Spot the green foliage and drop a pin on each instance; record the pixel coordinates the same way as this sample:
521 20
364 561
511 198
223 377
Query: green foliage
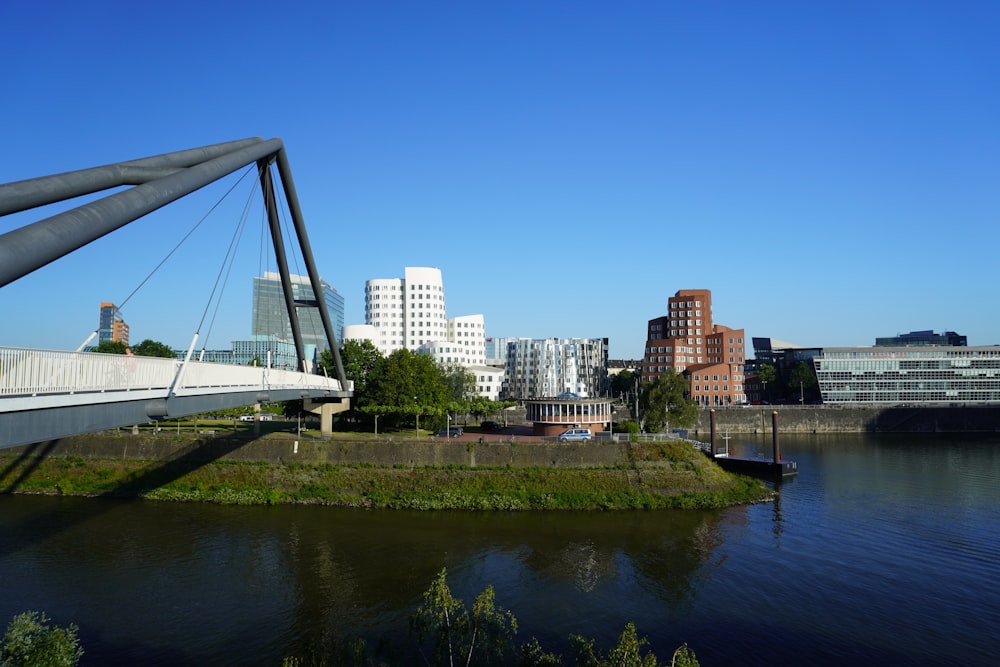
486 636
626 653
30 641
684 657
291 408
111 347
664 403
802 381
361 361
623 383
629 426
152 348
455 635
413 384
533 655
767 374
461 384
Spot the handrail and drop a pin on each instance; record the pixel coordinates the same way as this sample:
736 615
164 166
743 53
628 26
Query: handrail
31 372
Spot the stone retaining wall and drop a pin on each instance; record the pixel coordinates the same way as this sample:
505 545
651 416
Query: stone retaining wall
338 452
829 419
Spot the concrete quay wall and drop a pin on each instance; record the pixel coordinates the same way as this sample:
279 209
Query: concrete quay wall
829 419
389 453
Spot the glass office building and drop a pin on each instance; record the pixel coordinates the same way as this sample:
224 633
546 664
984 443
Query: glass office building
258 350
924 374
270 317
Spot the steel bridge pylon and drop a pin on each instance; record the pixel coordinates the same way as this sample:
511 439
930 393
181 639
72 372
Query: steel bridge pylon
158 181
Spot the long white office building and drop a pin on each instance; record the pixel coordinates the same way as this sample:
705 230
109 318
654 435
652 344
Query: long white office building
410 313
921 374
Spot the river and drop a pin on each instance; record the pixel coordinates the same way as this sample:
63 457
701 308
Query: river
884 550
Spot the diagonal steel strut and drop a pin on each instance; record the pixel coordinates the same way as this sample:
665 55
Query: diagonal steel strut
158 181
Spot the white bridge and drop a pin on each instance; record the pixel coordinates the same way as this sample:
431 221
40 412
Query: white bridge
47 394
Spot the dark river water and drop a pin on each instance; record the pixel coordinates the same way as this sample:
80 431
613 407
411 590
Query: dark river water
884 550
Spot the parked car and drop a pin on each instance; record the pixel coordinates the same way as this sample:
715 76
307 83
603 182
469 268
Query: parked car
575 435
489 426
453 432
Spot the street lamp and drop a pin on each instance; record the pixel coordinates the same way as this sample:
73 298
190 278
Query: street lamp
417 430
448 431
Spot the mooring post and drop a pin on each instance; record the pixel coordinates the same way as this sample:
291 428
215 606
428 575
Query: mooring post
711 421
774 436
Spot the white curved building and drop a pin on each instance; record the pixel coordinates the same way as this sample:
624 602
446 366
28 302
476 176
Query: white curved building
410 313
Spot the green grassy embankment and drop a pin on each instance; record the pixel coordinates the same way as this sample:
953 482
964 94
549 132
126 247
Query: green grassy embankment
661 475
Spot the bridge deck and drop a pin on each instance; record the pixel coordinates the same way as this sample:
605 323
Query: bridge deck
47 394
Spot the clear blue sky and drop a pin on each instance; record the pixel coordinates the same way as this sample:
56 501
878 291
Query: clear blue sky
830 170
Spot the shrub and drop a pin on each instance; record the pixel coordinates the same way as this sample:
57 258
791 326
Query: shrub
31 642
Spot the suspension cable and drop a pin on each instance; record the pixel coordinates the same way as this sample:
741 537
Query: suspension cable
228 262
182 241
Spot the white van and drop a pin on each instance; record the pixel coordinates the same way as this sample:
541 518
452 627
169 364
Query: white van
575 435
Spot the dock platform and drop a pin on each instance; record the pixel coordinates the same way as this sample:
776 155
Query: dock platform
757 467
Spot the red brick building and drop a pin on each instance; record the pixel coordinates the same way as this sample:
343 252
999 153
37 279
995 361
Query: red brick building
710 356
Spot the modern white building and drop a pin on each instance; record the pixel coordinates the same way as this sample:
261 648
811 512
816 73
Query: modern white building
549 367
914 375
410 313
489 381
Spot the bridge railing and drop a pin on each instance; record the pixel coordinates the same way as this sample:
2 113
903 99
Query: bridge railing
202 375
30 372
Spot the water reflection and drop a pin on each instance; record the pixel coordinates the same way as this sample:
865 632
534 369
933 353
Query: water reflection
284 578
858 543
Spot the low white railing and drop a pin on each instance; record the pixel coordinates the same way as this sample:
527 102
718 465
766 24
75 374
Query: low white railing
29 372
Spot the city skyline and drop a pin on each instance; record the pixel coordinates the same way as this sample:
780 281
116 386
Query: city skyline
827 171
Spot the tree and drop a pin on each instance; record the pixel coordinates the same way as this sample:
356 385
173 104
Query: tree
460 381
411 383
30 641
663 403
622 384
152 348
361 361
803 378
458 636
627 652
766 373
111 347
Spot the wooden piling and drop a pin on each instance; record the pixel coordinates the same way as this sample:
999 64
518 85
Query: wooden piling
774 437
711 421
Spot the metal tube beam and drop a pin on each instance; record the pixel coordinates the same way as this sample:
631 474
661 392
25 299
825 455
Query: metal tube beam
267 187
29 248
23 195
292 198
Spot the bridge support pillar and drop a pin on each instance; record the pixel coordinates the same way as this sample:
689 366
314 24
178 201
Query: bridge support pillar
326 411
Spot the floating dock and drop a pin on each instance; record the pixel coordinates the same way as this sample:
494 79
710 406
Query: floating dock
757 467
775 469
